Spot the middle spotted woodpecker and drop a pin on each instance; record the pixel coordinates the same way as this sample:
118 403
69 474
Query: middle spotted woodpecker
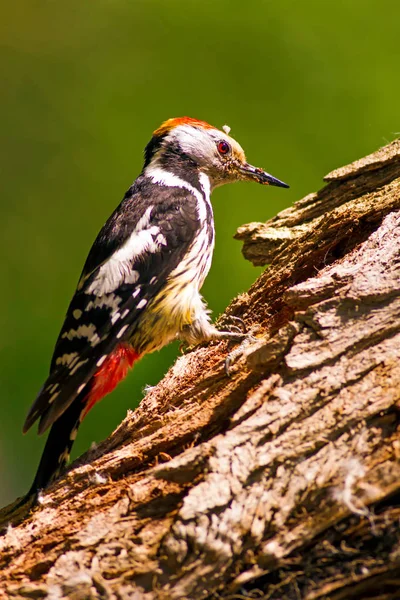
140 286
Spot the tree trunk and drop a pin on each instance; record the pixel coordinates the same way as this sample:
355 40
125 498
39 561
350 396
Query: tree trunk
281 481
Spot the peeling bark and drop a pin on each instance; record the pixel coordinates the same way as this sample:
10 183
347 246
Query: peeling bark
281 481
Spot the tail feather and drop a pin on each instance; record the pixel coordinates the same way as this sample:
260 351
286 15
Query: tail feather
58 446
54 458
63 431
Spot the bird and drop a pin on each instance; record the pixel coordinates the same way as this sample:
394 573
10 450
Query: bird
140 284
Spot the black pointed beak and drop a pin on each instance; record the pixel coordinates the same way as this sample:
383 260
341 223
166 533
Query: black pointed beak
256 174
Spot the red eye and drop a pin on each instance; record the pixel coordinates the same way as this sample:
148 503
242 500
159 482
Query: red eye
223 147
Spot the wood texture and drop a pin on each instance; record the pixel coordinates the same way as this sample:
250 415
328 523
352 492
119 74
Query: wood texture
281 481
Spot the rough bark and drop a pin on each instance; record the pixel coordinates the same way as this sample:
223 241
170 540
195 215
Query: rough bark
281 481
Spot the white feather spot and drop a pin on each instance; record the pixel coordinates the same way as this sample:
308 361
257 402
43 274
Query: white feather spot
81 388
53 397
136 292
78 366
95 340
77 314
115 317
142 303
110 300
122 331
125 313
101 360
65 359
87 331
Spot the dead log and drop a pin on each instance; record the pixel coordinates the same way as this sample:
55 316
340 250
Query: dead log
281 481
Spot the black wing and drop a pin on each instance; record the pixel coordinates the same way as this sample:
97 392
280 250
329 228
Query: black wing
121 272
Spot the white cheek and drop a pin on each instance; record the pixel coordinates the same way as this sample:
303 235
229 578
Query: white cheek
197 143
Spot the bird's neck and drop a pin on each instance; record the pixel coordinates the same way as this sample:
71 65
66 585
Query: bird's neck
178 173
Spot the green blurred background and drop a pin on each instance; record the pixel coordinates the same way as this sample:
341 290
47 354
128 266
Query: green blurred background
306 87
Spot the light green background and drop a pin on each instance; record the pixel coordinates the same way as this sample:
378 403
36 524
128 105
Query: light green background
306 87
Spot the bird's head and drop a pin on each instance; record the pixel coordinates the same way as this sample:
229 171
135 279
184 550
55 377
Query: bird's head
183 144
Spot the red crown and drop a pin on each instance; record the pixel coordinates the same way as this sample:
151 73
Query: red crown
172 123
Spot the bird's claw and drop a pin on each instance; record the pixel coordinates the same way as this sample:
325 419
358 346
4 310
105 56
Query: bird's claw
237 324
246 341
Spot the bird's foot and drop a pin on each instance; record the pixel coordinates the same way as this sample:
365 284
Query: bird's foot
236 332
247 340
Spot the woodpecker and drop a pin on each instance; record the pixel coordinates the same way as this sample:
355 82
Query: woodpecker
140 285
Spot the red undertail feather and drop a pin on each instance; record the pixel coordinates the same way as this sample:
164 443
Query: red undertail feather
111 372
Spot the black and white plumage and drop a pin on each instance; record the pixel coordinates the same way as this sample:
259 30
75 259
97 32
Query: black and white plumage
140 286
